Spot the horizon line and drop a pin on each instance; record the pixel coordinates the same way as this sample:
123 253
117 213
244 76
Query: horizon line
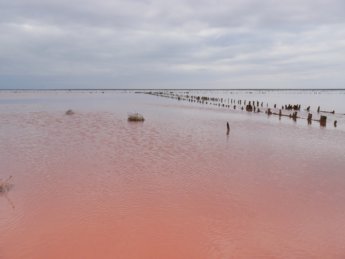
172 89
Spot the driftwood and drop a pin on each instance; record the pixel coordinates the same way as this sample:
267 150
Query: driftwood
5 185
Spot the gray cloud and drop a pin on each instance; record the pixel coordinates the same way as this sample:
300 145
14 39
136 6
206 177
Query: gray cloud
173 44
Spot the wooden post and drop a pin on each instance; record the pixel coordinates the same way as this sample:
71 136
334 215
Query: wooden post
323 120
269 111
249 107
310 116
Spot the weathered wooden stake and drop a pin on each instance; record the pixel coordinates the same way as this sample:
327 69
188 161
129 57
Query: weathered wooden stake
269 111
310 116
323 120
249 107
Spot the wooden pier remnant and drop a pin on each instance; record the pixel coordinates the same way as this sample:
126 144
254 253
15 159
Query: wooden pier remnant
331 112
323 120
335 123
269 111
249 107
227 128
310 117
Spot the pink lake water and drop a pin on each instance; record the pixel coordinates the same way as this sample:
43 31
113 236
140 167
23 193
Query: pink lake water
93 185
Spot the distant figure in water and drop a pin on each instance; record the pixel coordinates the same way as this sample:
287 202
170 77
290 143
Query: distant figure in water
228 128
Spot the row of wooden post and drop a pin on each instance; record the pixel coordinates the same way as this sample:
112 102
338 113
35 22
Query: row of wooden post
250 106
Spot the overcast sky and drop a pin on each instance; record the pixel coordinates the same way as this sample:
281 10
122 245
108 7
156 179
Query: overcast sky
172 44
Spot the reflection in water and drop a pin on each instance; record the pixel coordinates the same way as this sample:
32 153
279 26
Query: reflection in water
93 185
10 202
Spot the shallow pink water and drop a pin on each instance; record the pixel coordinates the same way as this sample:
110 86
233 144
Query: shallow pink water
93 185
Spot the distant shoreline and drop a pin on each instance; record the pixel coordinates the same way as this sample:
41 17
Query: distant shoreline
179 89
